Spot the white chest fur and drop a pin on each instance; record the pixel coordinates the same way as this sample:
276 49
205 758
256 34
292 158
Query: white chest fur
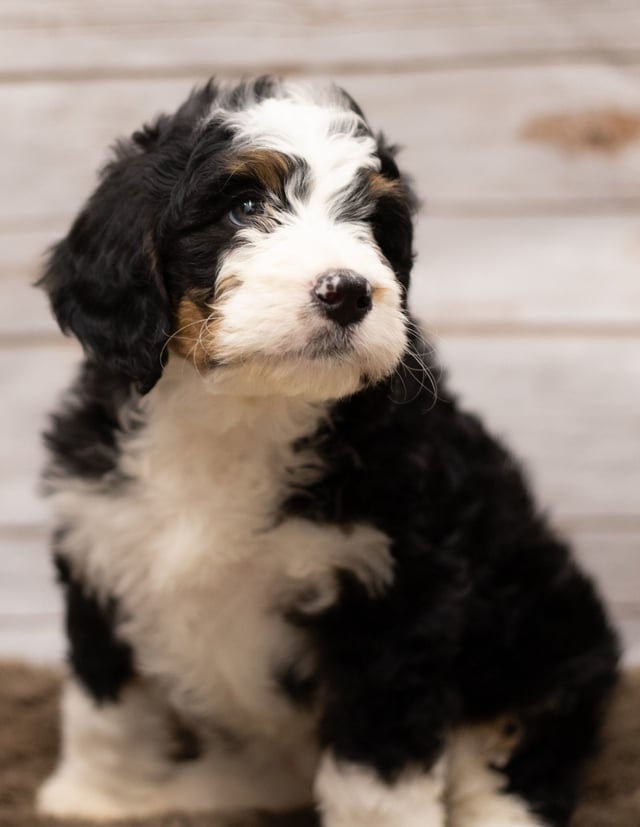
201 570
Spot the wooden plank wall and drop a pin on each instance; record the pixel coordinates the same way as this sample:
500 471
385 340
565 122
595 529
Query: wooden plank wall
521 122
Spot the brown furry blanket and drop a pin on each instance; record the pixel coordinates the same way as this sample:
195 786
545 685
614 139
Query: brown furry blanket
29 738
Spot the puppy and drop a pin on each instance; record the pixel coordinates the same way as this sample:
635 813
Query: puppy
294 571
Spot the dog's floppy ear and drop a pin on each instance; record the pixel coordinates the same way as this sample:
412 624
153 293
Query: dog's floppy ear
103 280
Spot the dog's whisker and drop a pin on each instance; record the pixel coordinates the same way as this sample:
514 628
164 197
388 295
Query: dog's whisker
177 333
398 375
426 372
421 374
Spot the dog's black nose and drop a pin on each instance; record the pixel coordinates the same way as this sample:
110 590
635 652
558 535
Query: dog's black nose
344 297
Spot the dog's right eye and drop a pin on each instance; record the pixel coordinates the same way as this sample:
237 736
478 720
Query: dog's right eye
243 213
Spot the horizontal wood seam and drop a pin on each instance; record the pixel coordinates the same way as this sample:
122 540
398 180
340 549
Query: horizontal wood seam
521 59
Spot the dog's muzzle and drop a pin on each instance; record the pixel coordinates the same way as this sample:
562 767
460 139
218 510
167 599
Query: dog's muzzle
343 296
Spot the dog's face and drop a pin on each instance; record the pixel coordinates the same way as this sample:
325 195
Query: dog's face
262 233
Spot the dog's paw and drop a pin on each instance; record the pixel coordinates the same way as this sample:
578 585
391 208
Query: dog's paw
67 796
349 795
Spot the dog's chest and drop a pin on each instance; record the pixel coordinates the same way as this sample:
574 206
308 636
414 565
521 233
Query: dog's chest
206 596
202 570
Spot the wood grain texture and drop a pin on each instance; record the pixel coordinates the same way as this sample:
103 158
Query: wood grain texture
37 638
27 584
80 37
629 627
463 132
551 273
33 378
570 407
24 310
613 558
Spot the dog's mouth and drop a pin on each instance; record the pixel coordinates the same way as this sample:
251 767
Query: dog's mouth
316 348
329 362
330 343
330 347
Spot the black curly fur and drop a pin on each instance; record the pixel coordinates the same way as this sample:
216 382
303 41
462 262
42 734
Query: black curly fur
487 613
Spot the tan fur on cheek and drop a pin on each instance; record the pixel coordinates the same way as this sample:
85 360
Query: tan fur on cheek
197 324
193 329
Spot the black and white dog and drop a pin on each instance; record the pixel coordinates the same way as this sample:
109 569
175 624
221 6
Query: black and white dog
294 573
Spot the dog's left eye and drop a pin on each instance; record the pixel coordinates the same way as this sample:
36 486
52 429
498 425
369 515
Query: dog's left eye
242 213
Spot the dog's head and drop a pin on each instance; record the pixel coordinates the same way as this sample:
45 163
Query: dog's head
262 232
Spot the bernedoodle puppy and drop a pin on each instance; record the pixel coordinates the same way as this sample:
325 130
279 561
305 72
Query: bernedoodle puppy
295 571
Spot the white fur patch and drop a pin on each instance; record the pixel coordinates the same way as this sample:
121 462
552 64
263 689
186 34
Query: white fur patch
354 796
309 122
475 795
201 572
115 765
271 320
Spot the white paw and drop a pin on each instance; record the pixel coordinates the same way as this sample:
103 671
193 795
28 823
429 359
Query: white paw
71 797
349 795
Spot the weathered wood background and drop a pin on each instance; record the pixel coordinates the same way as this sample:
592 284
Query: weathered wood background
521 122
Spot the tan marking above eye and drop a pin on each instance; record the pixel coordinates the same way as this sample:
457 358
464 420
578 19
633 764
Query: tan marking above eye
267 166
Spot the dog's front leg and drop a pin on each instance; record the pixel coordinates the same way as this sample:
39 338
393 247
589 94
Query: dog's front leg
389 705
116 760
352 794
